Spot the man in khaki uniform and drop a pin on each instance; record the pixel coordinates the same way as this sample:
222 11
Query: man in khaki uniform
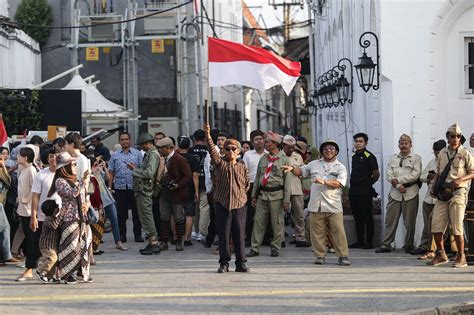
143 185
403 172
297 198
270 196
454 191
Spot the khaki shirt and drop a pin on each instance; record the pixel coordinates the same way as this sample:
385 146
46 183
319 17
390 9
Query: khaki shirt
324 198
295 181
144 177
277 178
424 179
462 165
408 172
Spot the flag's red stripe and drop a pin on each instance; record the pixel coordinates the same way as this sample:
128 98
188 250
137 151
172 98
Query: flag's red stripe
226 51
3 132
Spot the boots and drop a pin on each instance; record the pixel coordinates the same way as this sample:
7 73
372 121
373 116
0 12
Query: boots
152 248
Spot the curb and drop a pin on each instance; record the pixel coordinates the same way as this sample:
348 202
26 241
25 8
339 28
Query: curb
447 309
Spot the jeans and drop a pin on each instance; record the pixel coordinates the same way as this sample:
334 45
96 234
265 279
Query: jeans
111 213
5 253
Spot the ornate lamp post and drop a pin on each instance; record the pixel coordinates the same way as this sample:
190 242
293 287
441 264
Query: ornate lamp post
366 67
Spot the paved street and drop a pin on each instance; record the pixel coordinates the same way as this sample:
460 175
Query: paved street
178 282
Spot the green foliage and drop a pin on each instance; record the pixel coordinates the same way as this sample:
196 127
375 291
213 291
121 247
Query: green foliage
35 12
20 110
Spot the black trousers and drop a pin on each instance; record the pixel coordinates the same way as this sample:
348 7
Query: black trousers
126 200
31 243
361 206
231 225
211 231
250 215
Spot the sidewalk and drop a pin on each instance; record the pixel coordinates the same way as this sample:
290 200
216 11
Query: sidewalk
178 282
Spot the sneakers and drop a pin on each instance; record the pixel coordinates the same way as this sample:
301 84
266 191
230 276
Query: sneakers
460 261
164 246
252 253
439 259
69 280
331 250
274 253
382 249
41 277
151 249
320 261
223 268
343 261
409 249
179 246
302 244
188 243
419 251
242 267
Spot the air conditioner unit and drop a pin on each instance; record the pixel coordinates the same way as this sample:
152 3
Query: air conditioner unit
163 23
105 32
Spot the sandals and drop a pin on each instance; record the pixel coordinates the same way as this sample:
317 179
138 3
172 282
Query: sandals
23 279
429 255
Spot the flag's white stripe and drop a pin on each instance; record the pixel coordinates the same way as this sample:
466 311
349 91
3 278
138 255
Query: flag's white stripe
251 74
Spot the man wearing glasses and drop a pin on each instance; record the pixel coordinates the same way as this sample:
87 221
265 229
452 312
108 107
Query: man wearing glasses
452 194
403 173
328 177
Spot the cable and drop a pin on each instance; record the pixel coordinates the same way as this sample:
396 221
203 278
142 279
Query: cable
18 25
207 17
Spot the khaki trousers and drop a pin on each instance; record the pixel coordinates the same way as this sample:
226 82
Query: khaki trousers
409 210
426 237
48 259
297 215
204 213
452 212
324 223
145 213
273 211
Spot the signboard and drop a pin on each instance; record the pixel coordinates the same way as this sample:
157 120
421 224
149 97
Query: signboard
56 132
106 50
157 46
92 54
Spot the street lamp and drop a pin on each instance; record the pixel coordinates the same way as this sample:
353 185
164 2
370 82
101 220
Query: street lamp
366 67
345 89
304 115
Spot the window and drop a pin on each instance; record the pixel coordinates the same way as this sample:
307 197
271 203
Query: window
469 65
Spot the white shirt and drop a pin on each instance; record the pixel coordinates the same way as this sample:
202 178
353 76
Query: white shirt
207 173
83 164
41 185
251 159
324 198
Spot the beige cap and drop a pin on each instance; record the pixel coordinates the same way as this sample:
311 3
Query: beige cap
454 129
270 135
301 147
405 137
165 142
63 159
289 140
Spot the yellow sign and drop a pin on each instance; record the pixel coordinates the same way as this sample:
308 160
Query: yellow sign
157 46
169 42
92 53
106 50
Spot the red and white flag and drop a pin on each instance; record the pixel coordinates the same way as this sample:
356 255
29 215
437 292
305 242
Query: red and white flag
232 63
3 132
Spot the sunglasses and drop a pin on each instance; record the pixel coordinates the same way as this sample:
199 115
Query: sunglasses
228 149
454 136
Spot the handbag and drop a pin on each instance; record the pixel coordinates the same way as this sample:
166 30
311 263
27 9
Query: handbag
93 216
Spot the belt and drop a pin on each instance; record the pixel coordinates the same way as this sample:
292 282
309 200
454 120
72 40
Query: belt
272 189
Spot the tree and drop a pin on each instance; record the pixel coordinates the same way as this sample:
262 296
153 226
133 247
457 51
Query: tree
20 110
35 12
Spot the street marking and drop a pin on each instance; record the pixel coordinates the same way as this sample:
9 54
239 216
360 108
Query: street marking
88 297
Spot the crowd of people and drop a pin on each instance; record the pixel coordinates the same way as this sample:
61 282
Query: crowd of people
57 200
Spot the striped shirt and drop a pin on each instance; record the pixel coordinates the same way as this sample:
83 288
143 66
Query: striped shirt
50 232
232 180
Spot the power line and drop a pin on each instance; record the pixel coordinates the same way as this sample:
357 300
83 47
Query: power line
19 25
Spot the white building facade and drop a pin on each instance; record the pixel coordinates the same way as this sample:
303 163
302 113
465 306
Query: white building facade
20 58
425 86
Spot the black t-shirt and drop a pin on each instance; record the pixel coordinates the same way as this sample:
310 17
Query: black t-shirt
194 165
363 164
200 152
